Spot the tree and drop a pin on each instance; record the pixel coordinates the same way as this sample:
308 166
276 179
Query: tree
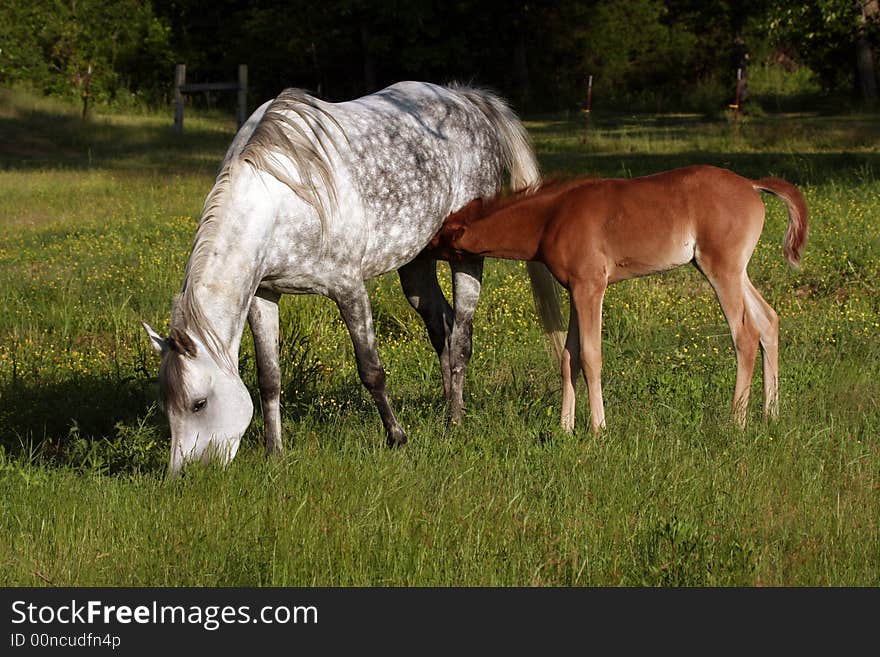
867 19
835 38
51 44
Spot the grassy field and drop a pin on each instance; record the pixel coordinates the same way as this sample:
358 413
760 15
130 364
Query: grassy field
96 220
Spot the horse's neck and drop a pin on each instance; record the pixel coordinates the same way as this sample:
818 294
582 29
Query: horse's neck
224 270
221 300
513 232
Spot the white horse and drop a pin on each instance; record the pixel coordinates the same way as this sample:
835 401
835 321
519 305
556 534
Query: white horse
315 197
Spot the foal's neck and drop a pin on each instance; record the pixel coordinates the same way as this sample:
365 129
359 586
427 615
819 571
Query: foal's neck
513 232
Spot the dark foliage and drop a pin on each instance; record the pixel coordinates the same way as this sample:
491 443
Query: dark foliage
644 54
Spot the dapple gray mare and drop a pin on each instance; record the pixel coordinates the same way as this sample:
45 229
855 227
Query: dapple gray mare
316 197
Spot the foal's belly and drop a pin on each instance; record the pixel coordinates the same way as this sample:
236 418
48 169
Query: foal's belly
642 261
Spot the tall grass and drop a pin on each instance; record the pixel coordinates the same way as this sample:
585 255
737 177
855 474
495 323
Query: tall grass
97 220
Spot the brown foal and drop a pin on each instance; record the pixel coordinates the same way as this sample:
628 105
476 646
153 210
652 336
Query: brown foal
592 232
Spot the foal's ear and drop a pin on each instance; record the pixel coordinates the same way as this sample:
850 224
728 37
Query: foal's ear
160 344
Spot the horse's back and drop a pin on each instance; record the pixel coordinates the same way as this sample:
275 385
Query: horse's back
431 139
394 163
414 153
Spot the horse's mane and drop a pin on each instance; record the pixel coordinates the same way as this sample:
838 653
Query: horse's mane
187 314
188 319
293 142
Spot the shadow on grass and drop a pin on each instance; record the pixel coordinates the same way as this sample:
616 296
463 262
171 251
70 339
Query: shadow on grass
797 168
39 139
803 149
86 422
110 426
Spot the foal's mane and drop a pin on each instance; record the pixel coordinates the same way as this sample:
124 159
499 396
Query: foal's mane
552 186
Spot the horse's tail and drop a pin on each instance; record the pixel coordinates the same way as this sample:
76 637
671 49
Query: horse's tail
545 291
520 161
516 146
796 235
525 174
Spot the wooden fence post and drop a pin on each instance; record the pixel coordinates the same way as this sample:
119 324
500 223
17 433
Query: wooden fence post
179 81
242 94
181 88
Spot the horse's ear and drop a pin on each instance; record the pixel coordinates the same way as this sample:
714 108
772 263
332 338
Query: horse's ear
160 344
182 343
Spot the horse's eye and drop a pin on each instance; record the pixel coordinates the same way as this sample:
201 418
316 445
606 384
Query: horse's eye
199 405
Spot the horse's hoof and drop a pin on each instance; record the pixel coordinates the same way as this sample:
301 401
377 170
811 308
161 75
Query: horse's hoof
396 439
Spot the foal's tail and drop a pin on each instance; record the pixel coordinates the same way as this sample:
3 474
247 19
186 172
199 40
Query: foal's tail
796 235
520 161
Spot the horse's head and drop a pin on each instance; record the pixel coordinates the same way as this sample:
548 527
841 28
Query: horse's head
207 405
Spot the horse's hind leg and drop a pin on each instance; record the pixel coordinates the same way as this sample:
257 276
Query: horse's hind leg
263 318
767 323
571 367
354 305
467 278
419 282
730 288
586 300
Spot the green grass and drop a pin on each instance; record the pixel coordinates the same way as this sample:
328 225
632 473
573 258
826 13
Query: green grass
97 220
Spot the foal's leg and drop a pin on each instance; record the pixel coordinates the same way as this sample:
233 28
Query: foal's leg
419 282
586 298
263 318
354 305
767 323
730 288
571 367
467 276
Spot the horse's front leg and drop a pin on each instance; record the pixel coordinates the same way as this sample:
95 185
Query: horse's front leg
263 319
354 305
419 282
467 276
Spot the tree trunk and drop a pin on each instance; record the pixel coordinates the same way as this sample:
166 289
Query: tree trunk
316 70
369 68
521 70
865 55
520 57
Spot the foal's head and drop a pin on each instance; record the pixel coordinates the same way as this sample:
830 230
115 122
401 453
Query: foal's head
446 244
454 240
208 407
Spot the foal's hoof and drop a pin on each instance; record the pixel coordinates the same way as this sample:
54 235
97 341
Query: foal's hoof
396 438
